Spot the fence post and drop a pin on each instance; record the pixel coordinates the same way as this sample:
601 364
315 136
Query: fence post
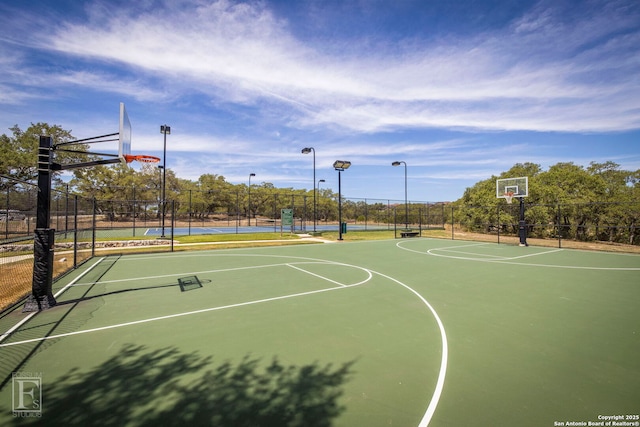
75 231
66 212
173 220
366 214
428 219
134 211
6 223
499 226
275 213
303 222
452 222
93 228
237 210
395 233
558 227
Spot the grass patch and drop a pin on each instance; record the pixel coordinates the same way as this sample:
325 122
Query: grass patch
240 237
380 234
359 235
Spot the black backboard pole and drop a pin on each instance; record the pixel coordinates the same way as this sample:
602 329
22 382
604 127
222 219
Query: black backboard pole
41 289
522 225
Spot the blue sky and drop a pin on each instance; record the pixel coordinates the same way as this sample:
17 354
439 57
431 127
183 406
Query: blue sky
459 90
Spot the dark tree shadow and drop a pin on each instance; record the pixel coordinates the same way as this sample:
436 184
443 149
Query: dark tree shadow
152 388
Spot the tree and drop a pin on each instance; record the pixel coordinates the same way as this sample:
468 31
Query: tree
593 203
19 151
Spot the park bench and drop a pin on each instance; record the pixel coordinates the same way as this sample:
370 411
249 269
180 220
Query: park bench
408 233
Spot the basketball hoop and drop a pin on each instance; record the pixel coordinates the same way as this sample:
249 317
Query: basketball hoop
509 196
141 158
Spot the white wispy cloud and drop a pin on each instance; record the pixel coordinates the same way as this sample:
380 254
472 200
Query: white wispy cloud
99 81
540 73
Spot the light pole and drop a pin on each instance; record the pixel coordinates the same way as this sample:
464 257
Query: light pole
318 186
308 150
164 129
340 165
160 168
406 203
250 175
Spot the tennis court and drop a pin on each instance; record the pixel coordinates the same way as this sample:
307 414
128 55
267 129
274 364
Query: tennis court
232 229
409 332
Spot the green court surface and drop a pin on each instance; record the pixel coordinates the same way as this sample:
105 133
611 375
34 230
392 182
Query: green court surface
409 332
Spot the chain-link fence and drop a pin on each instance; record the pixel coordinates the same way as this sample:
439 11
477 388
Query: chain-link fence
84 227
71 217
613 223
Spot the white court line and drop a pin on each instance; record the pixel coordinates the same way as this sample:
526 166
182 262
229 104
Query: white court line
497 257
61 291
333 281
341 286
536 254
467 253
316 275
506 261
435 398
30 315
171 316
217 230
191 273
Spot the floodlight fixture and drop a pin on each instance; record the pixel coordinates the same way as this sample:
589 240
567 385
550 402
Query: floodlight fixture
341 165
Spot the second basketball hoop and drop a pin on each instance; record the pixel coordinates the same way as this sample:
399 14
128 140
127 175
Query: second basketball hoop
510 188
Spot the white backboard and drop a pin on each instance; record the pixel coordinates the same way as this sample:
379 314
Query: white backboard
516 187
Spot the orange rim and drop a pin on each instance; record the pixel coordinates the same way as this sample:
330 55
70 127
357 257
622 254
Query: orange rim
141 158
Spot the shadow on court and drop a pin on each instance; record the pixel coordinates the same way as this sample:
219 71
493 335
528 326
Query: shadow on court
14 358
182 287
165 387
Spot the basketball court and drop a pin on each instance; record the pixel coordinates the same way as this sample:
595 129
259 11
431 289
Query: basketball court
409 332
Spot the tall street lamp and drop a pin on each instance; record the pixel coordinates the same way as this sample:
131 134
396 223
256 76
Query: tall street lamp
159 187
340 165
318 186
164 129
406 203
308 150
250 175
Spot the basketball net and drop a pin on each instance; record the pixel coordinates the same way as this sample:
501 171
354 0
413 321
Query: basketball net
509 196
